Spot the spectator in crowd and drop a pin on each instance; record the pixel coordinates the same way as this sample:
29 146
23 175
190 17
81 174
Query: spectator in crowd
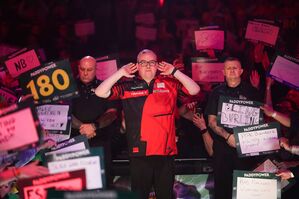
93 116
149 104
224 147
291 122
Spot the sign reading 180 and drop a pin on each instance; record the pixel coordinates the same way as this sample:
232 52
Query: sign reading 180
50 83
47 85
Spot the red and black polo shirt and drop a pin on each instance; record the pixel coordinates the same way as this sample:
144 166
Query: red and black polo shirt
150 114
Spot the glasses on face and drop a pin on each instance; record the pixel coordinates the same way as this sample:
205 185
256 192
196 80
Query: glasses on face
151 63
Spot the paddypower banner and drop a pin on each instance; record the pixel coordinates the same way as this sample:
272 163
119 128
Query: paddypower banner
50 83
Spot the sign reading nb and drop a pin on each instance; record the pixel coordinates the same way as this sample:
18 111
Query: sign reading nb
21 63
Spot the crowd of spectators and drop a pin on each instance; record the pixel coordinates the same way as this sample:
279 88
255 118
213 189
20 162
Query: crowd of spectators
50 26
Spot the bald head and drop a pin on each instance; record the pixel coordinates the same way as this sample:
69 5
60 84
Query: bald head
87 69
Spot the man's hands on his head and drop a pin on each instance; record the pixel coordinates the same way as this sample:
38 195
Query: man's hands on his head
129 69
165 68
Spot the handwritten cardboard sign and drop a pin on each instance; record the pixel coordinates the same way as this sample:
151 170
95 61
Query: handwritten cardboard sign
285 69
77 143
32 188
92 160
257 140
103 194
50 83
8 95
84 28
235 112
146 33
207 72
145 18
255 185
105 68
55 117
14 121
22 62
209 39
57 137
263 32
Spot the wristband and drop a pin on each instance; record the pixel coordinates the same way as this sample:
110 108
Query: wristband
274 114
174 70
203 131
228 137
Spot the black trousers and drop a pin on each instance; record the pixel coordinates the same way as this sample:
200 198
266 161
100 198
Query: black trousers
156 171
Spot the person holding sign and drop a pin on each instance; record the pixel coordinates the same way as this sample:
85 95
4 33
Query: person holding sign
288 121
224 146
92 116
149 104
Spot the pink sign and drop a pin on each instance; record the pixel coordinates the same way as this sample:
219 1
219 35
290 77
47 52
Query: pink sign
263 32
145 18
22 63
8 96
286 69
145 33
207 72
37 187
84 28
17 129
105 69
209 39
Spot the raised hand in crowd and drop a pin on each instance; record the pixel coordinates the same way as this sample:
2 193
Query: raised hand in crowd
280 117
255 79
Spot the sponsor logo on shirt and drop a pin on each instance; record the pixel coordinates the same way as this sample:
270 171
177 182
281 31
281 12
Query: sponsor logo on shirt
160 91
161 85
138 93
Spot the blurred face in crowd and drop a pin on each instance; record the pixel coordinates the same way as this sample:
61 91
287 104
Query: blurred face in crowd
87 69
232 70
147 65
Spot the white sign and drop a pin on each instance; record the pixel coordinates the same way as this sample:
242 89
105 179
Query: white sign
262 32
255 188
257 141
145 18
53 117
209 39
84 28
207 72
105 69
145 33
239 115
285 70
90 164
